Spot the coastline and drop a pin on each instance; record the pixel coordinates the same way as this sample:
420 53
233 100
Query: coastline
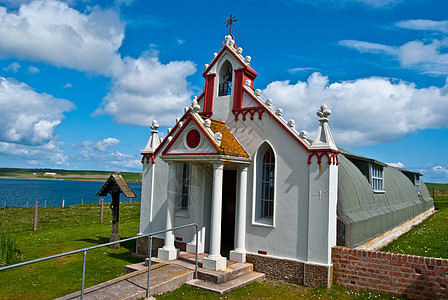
63 178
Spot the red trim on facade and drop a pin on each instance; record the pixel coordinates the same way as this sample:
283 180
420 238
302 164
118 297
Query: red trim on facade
251 110
278 121
238 89
332 156
187 113
209 93
181 130
262 252
179 239
252 71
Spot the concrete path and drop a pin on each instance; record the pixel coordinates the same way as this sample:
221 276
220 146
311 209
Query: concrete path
164 278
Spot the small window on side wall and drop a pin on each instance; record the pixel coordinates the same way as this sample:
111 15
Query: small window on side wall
376 178
417 183
264 208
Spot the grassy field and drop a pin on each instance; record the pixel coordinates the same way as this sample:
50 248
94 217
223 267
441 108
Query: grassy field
82 175
430 238
61 230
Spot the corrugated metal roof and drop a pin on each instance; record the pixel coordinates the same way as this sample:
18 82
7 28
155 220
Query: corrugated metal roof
366 214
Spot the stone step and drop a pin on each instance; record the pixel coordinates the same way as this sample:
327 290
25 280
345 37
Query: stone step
136 267
232 270
232 284
164 278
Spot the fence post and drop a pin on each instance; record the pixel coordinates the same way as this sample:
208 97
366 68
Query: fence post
63 203
36 205
45 205
26 203
82 201
4 205
101 210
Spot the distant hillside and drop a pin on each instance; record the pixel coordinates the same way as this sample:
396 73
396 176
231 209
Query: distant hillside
67 174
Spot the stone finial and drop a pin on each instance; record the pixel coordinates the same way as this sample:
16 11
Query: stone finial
229 41
206 66
247 82
177 120
169 130
303 134
268 102
218 138
214 55
194 104
154 126
323 113
207 123
258 92
279 112
291 123
248 59
239 50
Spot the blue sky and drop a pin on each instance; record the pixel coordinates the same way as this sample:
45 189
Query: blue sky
80 81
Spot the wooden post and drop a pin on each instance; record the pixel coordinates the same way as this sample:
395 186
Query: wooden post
115 206
45 205
26 203
101 211
63 203
82 201
35 215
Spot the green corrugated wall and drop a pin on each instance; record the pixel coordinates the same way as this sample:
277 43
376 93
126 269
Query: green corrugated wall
363 214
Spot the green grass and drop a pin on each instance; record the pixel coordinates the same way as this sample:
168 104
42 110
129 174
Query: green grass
62 230
8 250
273 290
430 238
29 173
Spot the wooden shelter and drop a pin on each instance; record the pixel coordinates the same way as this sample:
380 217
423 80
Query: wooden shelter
115 185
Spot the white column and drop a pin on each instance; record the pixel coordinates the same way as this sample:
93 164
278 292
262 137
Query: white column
239 254
215 261
169 252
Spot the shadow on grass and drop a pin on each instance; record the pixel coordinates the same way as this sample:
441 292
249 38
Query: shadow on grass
129 245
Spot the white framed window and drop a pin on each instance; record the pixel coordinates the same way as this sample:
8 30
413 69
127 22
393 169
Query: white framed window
377 178
184 194
417 183
263 210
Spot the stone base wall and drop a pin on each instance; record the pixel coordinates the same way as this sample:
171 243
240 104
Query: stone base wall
400 275
291 271
142 246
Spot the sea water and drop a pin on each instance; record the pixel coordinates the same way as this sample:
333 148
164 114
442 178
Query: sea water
18 191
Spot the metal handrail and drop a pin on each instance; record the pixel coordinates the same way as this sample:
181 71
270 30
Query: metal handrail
84 250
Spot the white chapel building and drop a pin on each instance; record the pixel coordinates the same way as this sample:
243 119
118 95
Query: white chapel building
261 190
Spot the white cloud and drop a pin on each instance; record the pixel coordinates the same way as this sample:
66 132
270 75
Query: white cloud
420 24
365 111
104 144
48 154
344 3
300 70
14 67
147 90
396 165
434 173
429 58
52 32
28 117
67 85
33 69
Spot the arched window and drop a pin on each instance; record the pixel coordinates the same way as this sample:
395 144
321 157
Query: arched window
264 186
225 79
267 185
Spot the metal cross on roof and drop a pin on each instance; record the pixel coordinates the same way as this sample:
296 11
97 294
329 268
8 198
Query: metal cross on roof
230 21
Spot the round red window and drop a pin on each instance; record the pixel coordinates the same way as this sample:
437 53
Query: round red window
193 138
